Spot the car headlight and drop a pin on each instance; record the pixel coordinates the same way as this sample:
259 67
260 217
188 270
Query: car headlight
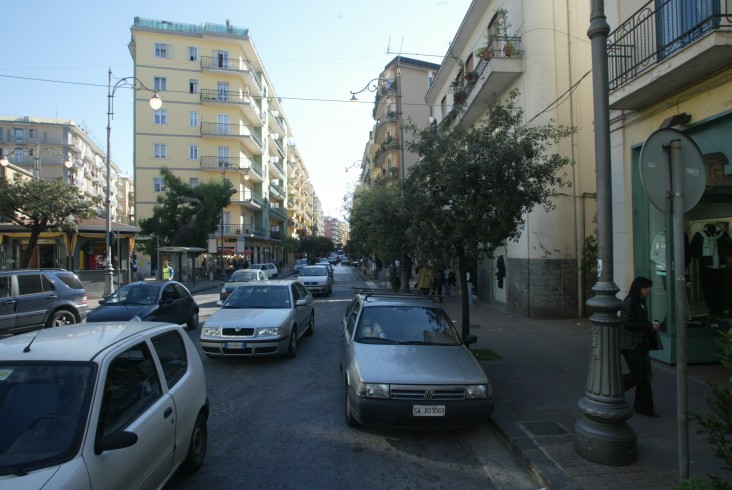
270 332
372 390
211 332
476 391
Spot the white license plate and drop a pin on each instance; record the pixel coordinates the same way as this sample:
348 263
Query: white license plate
234 345
428 410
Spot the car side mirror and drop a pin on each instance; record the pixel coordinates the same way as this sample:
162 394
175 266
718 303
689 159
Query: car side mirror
219 303
301 302
115 440
470 339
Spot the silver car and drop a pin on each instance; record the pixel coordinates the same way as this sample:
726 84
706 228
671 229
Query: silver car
405 364
240 277
316 279
265 318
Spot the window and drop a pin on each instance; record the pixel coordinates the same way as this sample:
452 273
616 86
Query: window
161 84
222 58
172 354
131 386
193 86
19 135
160 150
159 184
163 50
193 152
192 182
33 284
193 119
222 91
32 133
192 53
161 117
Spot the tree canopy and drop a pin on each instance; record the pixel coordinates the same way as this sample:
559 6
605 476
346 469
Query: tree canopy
43 205
472 187
185 216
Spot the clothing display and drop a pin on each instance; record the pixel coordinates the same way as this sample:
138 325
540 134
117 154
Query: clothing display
708 247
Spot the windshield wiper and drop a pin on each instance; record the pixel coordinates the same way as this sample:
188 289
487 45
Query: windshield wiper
13 470
377 340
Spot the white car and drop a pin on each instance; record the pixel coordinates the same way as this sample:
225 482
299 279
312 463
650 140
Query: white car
269 268
265 318
100 406
316 279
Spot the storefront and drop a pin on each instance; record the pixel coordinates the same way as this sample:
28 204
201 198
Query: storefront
708 249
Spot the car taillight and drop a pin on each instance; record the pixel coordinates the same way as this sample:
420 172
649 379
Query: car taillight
83 300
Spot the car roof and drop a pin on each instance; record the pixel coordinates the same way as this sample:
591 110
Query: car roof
77 342
381 297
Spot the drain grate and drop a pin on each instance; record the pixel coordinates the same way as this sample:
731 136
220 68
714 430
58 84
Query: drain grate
545 428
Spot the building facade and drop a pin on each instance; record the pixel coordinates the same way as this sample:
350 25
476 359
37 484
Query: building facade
670 67
543 52
220 119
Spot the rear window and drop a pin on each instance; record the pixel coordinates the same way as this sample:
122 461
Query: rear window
33 284
70 279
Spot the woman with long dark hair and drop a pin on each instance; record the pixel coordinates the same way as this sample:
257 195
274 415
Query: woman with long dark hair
634 344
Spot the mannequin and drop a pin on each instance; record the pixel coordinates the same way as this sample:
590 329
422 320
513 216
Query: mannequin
705 247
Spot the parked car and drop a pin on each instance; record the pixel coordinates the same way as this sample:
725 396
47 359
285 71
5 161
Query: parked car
299 264
328 265
240 277
159 301
269 268
316 279
100 405
405 364
35 298
260 319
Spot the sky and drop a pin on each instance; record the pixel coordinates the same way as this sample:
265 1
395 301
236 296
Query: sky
57 55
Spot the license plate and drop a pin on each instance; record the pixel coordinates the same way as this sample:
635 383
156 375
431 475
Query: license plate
234 345
428 410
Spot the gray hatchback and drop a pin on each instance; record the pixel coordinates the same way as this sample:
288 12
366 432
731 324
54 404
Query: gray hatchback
405 364
36 298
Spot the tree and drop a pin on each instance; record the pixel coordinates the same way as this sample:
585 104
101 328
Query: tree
43 205
472 188
185 215
321 246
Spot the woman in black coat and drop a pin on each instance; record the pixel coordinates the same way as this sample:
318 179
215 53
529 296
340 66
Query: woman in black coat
634 344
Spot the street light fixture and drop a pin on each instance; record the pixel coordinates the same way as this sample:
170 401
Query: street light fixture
36 154
155 103
356 163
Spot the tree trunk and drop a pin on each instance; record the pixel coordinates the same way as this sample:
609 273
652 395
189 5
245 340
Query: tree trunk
462 266
28 252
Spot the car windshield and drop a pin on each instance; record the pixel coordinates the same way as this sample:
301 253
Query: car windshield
43 411
138 293
243 276
406 325
314 271
264 297
301 261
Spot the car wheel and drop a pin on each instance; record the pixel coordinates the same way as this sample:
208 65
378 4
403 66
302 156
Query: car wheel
350 420
292 346
61 317
193 322
311 325
197 447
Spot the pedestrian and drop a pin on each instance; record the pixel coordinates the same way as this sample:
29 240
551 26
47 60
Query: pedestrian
424 279
168 272
634 336
437 284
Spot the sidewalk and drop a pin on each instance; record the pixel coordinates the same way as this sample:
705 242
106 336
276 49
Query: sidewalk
540 378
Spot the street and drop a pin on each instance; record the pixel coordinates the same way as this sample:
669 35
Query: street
279 423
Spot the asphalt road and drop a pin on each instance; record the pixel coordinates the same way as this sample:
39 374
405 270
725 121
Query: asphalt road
279 423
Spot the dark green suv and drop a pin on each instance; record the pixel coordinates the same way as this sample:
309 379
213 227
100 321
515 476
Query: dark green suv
38 298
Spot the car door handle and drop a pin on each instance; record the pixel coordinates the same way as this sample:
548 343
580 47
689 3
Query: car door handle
168 412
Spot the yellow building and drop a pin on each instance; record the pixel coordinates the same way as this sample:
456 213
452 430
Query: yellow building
670 66
220 119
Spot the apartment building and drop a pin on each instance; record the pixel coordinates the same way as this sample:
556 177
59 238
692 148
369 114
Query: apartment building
543 51
220 119
670 66
399 99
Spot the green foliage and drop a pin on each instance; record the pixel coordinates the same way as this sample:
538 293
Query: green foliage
717 425
43 205
321 246
184 215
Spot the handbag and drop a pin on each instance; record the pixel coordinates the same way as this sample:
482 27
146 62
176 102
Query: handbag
654 341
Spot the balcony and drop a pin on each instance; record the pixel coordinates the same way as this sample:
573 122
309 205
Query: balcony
238 67
241 98
666 46
277 213
248 199
491 76
276 193
251 139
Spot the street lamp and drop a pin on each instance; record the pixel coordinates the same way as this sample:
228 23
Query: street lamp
356 163
36 154
155 103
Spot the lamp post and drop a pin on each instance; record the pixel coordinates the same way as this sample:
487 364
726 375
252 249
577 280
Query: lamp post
155 103
356 163
36 154
602 434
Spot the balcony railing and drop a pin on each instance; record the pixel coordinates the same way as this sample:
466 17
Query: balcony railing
221 63
223 129
224 163
658 30
227 96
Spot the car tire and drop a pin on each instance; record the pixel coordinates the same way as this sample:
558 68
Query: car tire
193 322
350 419
292 345
311 325
197 447
61 317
